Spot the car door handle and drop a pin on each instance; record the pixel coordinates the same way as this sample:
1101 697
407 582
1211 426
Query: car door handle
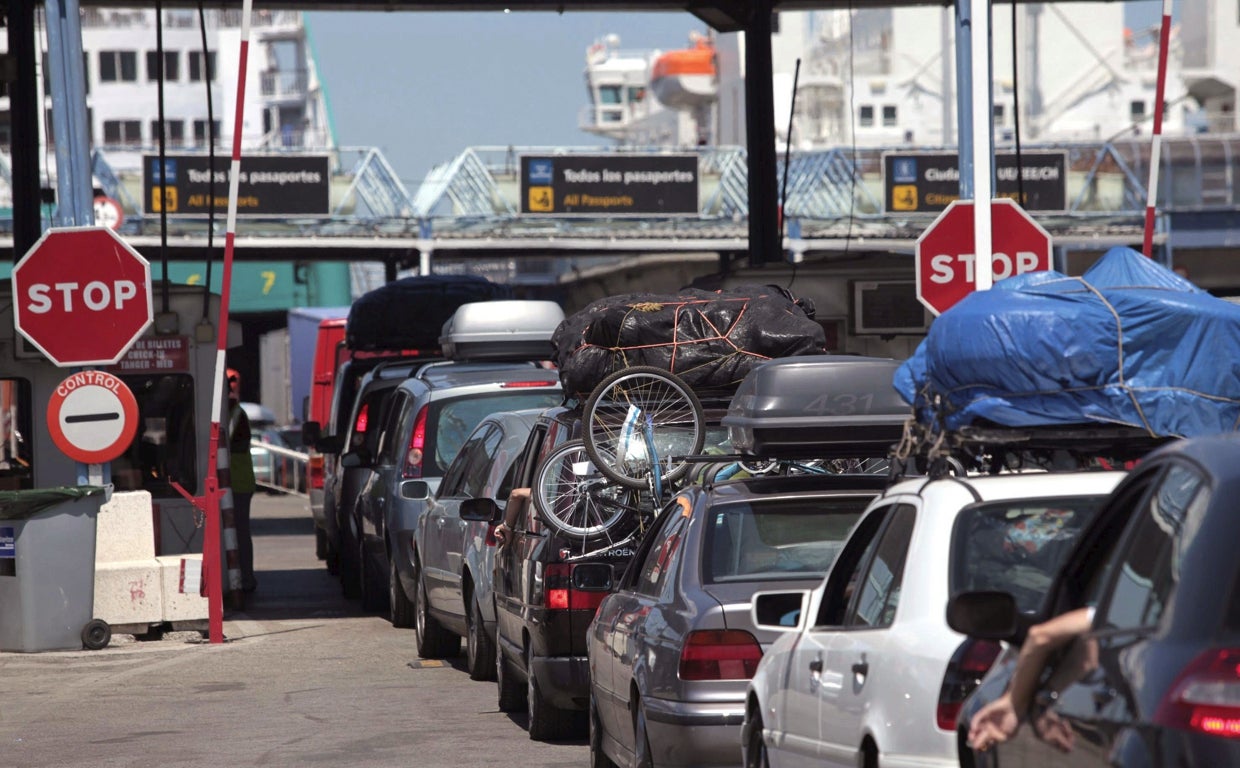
440 522
815 666
861 668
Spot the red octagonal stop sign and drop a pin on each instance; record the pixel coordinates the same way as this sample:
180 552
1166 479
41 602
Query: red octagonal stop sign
82 296
946 272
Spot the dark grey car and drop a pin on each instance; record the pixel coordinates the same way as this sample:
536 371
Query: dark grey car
429 415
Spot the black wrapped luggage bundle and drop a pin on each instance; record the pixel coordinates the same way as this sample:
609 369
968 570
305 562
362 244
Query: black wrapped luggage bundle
409 313
711 339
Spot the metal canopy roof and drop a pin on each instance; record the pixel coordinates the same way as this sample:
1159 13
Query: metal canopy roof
721 15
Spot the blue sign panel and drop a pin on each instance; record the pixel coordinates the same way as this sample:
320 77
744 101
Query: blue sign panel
541 171
904 169
8 543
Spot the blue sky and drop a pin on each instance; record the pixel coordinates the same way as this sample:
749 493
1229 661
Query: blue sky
423 86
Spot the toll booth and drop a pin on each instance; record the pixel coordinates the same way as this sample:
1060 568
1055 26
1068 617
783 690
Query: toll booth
169 369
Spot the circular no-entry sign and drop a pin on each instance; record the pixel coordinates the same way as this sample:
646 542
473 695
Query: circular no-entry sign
92 417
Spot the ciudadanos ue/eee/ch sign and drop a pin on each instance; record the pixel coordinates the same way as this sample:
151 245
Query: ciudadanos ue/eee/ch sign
269 185
610 185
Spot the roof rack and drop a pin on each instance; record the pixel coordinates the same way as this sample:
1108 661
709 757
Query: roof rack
992 448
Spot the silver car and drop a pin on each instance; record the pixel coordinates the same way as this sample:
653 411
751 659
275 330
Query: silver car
672 649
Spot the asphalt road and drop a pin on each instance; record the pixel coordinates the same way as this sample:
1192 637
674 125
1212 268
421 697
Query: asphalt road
304 678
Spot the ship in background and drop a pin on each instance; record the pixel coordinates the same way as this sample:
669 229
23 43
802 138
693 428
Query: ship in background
285 105
885 77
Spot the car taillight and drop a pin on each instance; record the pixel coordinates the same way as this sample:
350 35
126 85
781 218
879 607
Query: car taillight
314 470
719 654
558 592
525 384
363 418
417 441
1205 698
968 665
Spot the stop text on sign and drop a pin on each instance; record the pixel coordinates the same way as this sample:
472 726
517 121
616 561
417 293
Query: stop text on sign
943 266
94 296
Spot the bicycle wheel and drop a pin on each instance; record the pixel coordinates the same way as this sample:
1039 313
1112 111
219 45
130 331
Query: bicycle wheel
639 417
577 501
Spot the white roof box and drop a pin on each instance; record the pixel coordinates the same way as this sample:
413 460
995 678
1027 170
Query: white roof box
516 329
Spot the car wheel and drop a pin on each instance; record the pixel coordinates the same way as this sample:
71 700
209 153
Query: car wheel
547 721
434 642
320 543
349 577
371 596
755 750
598 758
400 607
511 693
479 646
867 756
642 756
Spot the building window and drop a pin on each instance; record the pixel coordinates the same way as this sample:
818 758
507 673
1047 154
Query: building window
195 66
118 66
122 132
866 116
200 131
174 134
1136 111
998 114
889 116
172 66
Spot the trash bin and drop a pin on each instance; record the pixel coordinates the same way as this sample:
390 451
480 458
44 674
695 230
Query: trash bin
47 568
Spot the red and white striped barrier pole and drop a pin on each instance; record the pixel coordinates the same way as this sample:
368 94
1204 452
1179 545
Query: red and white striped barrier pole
1151 197
216 455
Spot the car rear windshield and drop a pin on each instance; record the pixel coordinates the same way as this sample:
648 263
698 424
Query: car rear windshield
450 421
777 538
1017 546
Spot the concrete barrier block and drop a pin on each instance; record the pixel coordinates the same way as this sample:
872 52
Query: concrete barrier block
125 529
178 605
129 592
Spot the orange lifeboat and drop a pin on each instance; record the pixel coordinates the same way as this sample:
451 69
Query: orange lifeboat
686 78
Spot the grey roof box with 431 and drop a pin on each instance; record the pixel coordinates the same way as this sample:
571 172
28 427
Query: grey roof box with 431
817 406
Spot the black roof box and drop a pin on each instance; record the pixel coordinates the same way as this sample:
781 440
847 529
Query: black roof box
514 329
818 406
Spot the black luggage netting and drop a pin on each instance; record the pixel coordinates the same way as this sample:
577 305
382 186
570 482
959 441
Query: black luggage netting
711 339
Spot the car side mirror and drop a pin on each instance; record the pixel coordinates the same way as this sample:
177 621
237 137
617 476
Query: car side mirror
984 615
483 510
593 577
311 433
415 490
330 443
782 611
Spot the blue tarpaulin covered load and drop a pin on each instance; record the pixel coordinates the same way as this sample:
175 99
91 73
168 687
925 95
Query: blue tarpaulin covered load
1128 343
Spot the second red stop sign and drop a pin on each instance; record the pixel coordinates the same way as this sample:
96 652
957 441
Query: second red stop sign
82 295
946 268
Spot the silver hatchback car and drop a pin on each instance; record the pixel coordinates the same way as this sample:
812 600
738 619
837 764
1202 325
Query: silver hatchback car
672 649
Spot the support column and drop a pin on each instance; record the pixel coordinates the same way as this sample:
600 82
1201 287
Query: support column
764 241
74 191
24 112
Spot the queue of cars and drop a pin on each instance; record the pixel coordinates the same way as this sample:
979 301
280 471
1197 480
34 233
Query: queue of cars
794 613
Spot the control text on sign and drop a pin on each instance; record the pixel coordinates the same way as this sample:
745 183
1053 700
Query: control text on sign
93 296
